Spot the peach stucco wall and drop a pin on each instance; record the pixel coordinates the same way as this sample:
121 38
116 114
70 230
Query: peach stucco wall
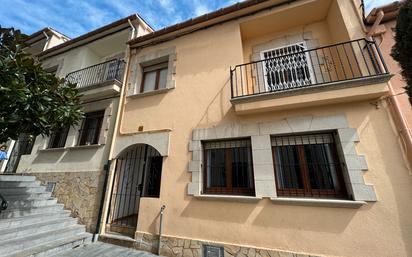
201 98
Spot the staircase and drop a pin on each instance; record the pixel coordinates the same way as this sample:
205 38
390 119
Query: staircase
34 224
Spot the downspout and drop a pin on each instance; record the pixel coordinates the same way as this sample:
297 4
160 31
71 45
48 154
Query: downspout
99 216
404 131
108 179
133 28
47 41
375 24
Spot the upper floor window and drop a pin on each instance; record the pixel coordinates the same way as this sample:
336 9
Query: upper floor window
308 166
90 131
228 167
154 77
287 67
58 139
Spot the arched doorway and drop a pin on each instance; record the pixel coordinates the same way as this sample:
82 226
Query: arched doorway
137 174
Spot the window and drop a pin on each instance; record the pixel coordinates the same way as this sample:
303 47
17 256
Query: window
308 166
25 144
287 67
154 77
58 139
90 132
228 167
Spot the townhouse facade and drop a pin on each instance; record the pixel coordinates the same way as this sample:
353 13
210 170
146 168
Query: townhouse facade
261 129
71 162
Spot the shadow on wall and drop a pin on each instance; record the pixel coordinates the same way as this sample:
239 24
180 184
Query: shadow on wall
220 102
48 157
78 155
400 180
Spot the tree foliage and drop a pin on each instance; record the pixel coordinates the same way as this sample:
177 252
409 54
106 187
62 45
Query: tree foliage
32 101
402 50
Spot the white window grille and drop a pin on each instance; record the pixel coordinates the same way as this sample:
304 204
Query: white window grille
287 67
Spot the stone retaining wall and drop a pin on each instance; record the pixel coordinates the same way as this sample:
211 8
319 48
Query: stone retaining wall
80 192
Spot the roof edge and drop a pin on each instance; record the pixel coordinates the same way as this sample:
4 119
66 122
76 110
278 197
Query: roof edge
203 18
69 44
390 12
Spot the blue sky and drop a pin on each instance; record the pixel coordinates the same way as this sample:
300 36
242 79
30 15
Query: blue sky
76 17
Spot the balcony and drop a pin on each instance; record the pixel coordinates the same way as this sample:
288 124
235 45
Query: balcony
100 80
293 76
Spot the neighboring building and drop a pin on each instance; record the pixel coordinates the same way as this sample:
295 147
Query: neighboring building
37 42
71 162
43 40
385 19
263 128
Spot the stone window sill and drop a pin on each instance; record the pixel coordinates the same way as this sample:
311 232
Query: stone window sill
52 149
84 146
238 198
154 92
318 202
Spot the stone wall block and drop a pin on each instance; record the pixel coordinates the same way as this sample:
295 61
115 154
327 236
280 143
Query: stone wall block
299 124
261 142
195 145
329 122
265 188
194 166
364 192
348 135
273 128
262 156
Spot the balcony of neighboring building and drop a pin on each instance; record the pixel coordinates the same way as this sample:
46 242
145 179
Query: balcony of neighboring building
99 80
303 54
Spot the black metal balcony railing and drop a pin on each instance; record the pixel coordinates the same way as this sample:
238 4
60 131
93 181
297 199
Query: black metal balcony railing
96 74
293 67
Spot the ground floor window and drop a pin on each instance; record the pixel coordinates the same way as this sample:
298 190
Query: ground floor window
308 166
228 167
58 139
90 131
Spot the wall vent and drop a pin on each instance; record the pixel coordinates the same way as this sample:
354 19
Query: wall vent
50 186
213 251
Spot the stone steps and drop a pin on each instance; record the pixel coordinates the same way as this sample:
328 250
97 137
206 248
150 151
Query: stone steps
11 191
27 241
8 184
45 225
31 219
18 204
30 196
15 178
20 212
34 224
55 248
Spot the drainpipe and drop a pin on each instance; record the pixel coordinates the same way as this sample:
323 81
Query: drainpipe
160 227
404 131
375 24
133 28
47 40
99 216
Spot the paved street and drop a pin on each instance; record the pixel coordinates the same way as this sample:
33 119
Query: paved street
105 250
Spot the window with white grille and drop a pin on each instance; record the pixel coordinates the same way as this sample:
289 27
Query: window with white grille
287 67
